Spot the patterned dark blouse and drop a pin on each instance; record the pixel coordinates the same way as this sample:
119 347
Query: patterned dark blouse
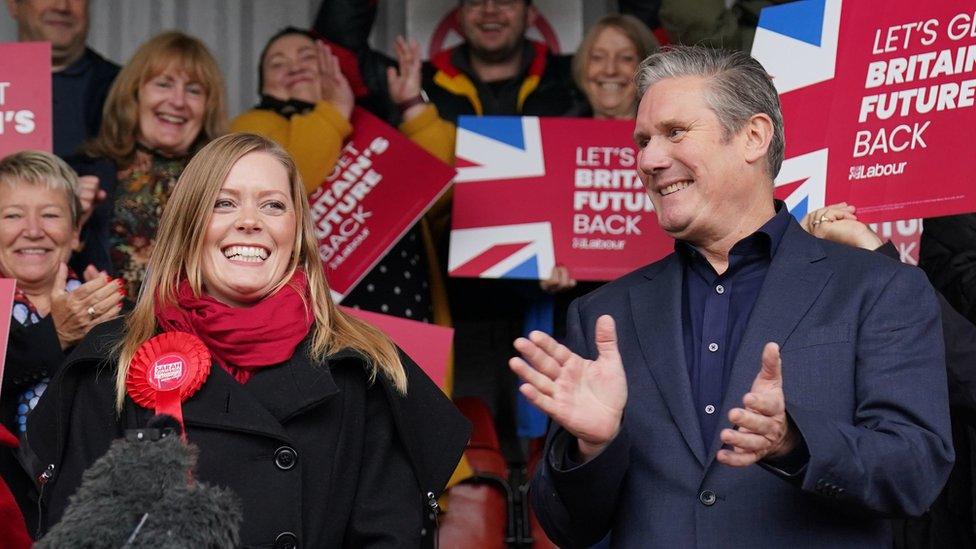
144 188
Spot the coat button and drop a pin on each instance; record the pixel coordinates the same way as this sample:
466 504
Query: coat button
286 540
707 497
285 458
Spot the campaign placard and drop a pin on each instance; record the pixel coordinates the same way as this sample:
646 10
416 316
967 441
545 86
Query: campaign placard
381 185
7 288
531 193
429 345
25 97
878 100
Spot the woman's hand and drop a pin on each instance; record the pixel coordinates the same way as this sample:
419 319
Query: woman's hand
404 81
76 312
838 223
558 281
90 195
335 87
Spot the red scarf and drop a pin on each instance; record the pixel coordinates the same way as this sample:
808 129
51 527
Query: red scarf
244 339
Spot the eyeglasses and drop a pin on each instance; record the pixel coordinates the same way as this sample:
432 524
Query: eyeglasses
502 4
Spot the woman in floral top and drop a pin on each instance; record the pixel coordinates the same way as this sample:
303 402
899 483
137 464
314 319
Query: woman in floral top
166 103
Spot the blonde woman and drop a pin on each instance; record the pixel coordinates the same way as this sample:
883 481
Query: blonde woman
53 307
166 103
606 62
330 437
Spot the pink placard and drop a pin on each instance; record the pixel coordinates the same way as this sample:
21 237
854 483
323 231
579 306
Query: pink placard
532 193
382 184
7 288
429 345
25 97
878 99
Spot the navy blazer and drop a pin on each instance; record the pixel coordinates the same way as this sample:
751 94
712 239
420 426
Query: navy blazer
865 383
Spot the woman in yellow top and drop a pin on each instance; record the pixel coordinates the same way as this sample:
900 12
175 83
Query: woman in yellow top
306 103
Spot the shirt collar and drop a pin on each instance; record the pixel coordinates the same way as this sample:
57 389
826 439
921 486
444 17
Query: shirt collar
284 108
79 66
766 239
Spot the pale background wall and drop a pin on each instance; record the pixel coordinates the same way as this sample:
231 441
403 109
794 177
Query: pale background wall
235 30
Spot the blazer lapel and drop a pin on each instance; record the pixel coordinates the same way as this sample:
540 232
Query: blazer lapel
656 308
792 285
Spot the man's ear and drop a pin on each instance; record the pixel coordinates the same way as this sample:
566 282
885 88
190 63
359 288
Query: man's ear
757 135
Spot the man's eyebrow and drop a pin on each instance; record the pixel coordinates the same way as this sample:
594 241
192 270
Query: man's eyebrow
669 123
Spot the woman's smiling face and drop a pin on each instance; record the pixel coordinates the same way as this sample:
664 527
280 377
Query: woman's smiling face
251 234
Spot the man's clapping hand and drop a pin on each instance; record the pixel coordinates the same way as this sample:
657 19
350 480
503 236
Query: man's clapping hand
762 428
585 397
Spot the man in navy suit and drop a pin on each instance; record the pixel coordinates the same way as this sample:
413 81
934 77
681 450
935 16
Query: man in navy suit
758 387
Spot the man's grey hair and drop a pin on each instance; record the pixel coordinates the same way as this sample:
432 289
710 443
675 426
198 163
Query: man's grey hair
737 88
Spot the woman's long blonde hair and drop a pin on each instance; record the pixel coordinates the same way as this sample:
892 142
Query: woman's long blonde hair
178 253
117 135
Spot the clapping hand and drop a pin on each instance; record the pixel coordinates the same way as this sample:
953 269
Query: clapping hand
90 195
762 429
335 87
76 312
585 397
404 80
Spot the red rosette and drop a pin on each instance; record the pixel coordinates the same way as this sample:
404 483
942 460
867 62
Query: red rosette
166 371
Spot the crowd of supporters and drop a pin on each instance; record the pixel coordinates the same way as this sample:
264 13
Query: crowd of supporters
77 230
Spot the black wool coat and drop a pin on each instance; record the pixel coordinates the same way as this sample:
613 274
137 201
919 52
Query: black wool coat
318 456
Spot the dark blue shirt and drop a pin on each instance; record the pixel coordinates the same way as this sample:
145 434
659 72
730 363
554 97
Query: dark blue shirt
716 309
79 92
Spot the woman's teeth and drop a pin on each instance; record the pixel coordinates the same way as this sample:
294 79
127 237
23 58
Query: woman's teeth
171 119
246 253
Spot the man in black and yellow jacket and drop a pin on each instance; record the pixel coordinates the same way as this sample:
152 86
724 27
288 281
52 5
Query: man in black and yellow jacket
495 71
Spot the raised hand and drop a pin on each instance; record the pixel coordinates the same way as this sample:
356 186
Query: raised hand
335 87
838 223
90 195
762 427
76 312
404 81
585 397
558 281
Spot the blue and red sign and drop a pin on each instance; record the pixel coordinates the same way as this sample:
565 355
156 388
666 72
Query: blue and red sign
531 193
876 96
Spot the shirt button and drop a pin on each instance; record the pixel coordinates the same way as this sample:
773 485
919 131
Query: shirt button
713 347
720 289
709 409
707 498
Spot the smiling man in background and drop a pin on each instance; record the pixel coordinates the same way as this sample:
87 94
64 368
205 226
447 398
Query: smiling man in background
81 78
